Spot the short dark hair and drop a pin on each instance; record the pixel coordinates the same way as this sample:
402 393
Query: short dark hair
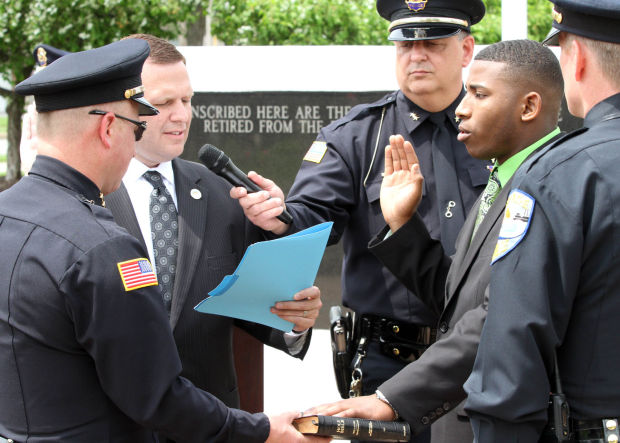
162 51
529 63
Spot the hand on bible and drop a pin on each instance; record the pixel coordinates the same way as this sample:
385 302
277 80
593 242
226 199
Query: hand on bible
282 431
367 406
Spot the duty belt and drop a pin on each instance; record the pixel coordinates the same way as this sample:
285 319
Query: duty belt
603 430
402 341
399 340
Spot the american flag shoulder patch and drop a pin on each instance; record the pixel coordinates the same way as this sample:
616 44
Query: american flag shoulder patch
137 273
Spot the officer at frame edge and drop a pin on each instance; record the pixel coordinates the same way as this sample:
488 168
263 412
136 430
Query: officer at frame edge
86 352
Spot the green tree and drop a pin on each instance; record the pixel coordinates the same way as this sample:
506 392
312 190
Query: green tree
72 25
338 22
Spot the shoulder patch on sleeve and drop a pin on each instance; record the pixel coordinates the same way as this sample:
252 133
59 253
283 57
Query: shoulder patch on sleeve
137 273
316 152
516 222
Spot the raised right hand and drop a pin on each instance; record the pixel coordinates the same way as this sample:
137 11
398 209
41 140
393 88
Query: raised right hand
401 189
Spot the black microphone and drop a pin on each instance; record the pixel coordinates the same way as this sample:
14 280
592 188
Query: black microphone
219 163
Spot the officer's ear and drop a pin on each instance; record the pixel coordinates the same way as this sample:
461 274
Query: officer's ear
105 129
531 106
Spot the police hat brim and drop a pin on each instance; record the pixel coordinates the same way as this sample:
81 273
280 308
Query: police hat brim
144 107
553 38
422 33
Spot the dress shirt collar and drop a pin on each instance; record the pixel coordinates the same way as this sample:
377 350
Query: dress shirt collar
137 169
506 170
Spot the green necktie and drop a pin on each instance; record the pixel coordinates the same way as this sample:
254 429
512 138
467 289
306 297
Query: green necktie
489 195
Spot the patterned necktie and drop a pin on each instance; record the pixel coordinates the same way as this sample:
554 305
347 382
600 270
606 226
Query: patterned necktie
164 230
451 211
489 195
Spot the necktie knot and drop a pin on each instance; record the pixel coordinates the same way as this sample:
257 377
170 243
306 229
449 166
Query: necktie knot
154 178
437 118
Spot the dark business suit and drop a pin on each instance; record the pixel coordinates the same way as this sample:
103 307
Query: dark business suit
430 387
213 235
457 288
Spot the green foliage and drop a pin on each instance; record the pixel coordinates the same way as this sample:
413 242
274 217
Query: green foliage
338 22
75 25
538 19
489 30
296 22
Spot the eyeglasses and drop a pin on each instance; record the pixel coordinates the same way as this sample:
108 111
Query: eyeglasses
140 125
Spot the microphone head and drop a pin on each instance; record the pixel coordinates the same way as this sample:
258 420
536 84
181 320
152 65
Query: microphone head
213 158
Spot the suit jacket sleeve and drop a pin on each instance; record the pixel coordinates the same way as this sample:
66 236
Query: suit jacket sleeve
424 390
273 337
417 260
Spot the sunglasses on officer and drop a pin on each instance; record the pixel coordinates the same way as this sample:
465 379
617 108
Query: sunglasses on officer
140 125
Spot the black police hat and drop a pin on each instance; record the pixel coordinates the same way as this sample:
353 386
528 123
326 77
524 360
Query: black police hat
429 19
101 75
46 54
595 19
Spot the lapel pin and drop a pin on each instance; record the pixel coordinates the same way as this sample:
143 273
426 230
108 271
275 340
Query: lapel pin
196 194
414 116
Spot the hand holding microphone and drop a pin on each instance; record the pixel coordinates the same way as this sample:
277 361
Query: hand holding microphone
219 163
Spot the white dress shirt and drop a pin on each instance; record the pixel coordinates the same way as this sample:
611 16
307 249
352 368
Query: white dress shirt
139 190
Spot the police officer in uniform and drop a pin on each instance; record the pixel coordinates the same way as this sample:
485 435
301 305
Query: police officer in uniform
555 278
86 352
341 175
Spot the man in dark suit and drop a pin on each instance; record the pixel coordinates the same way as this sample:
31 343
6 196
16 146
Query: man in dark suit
514 91
212 234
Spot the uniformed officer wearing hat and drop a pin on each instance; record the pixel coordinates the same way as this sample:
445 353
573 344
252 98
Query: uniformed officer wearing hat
86 352
555 275
340 179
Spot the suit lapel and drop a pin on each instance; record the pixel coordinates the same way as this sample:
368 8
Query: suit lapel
192 222
124 215
496 211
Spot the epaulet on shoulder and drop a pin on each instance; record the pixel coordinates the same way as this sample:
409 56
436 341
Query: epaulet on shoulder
365 108
560 141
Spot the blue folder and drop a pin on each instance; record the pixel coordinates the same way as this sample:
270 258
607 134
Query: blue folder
270 271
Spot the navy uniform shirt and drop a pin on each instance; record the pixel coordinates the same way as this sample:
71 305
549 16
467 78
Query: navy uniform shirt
344 187
83 356
557 287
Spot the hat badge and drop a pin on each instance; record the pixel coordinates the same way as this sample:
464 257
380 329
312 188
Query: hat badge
557 16
42 56
416 6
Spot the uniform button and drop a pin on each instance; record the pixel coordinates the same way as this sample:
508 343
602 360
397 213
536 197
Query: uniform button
425 420
611 424
446 406
443 327
396 329
439 412
613 438
396 351
432 415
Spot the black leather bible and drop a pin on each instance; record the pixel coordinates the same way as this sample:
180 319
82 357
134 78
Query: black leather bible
343 428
